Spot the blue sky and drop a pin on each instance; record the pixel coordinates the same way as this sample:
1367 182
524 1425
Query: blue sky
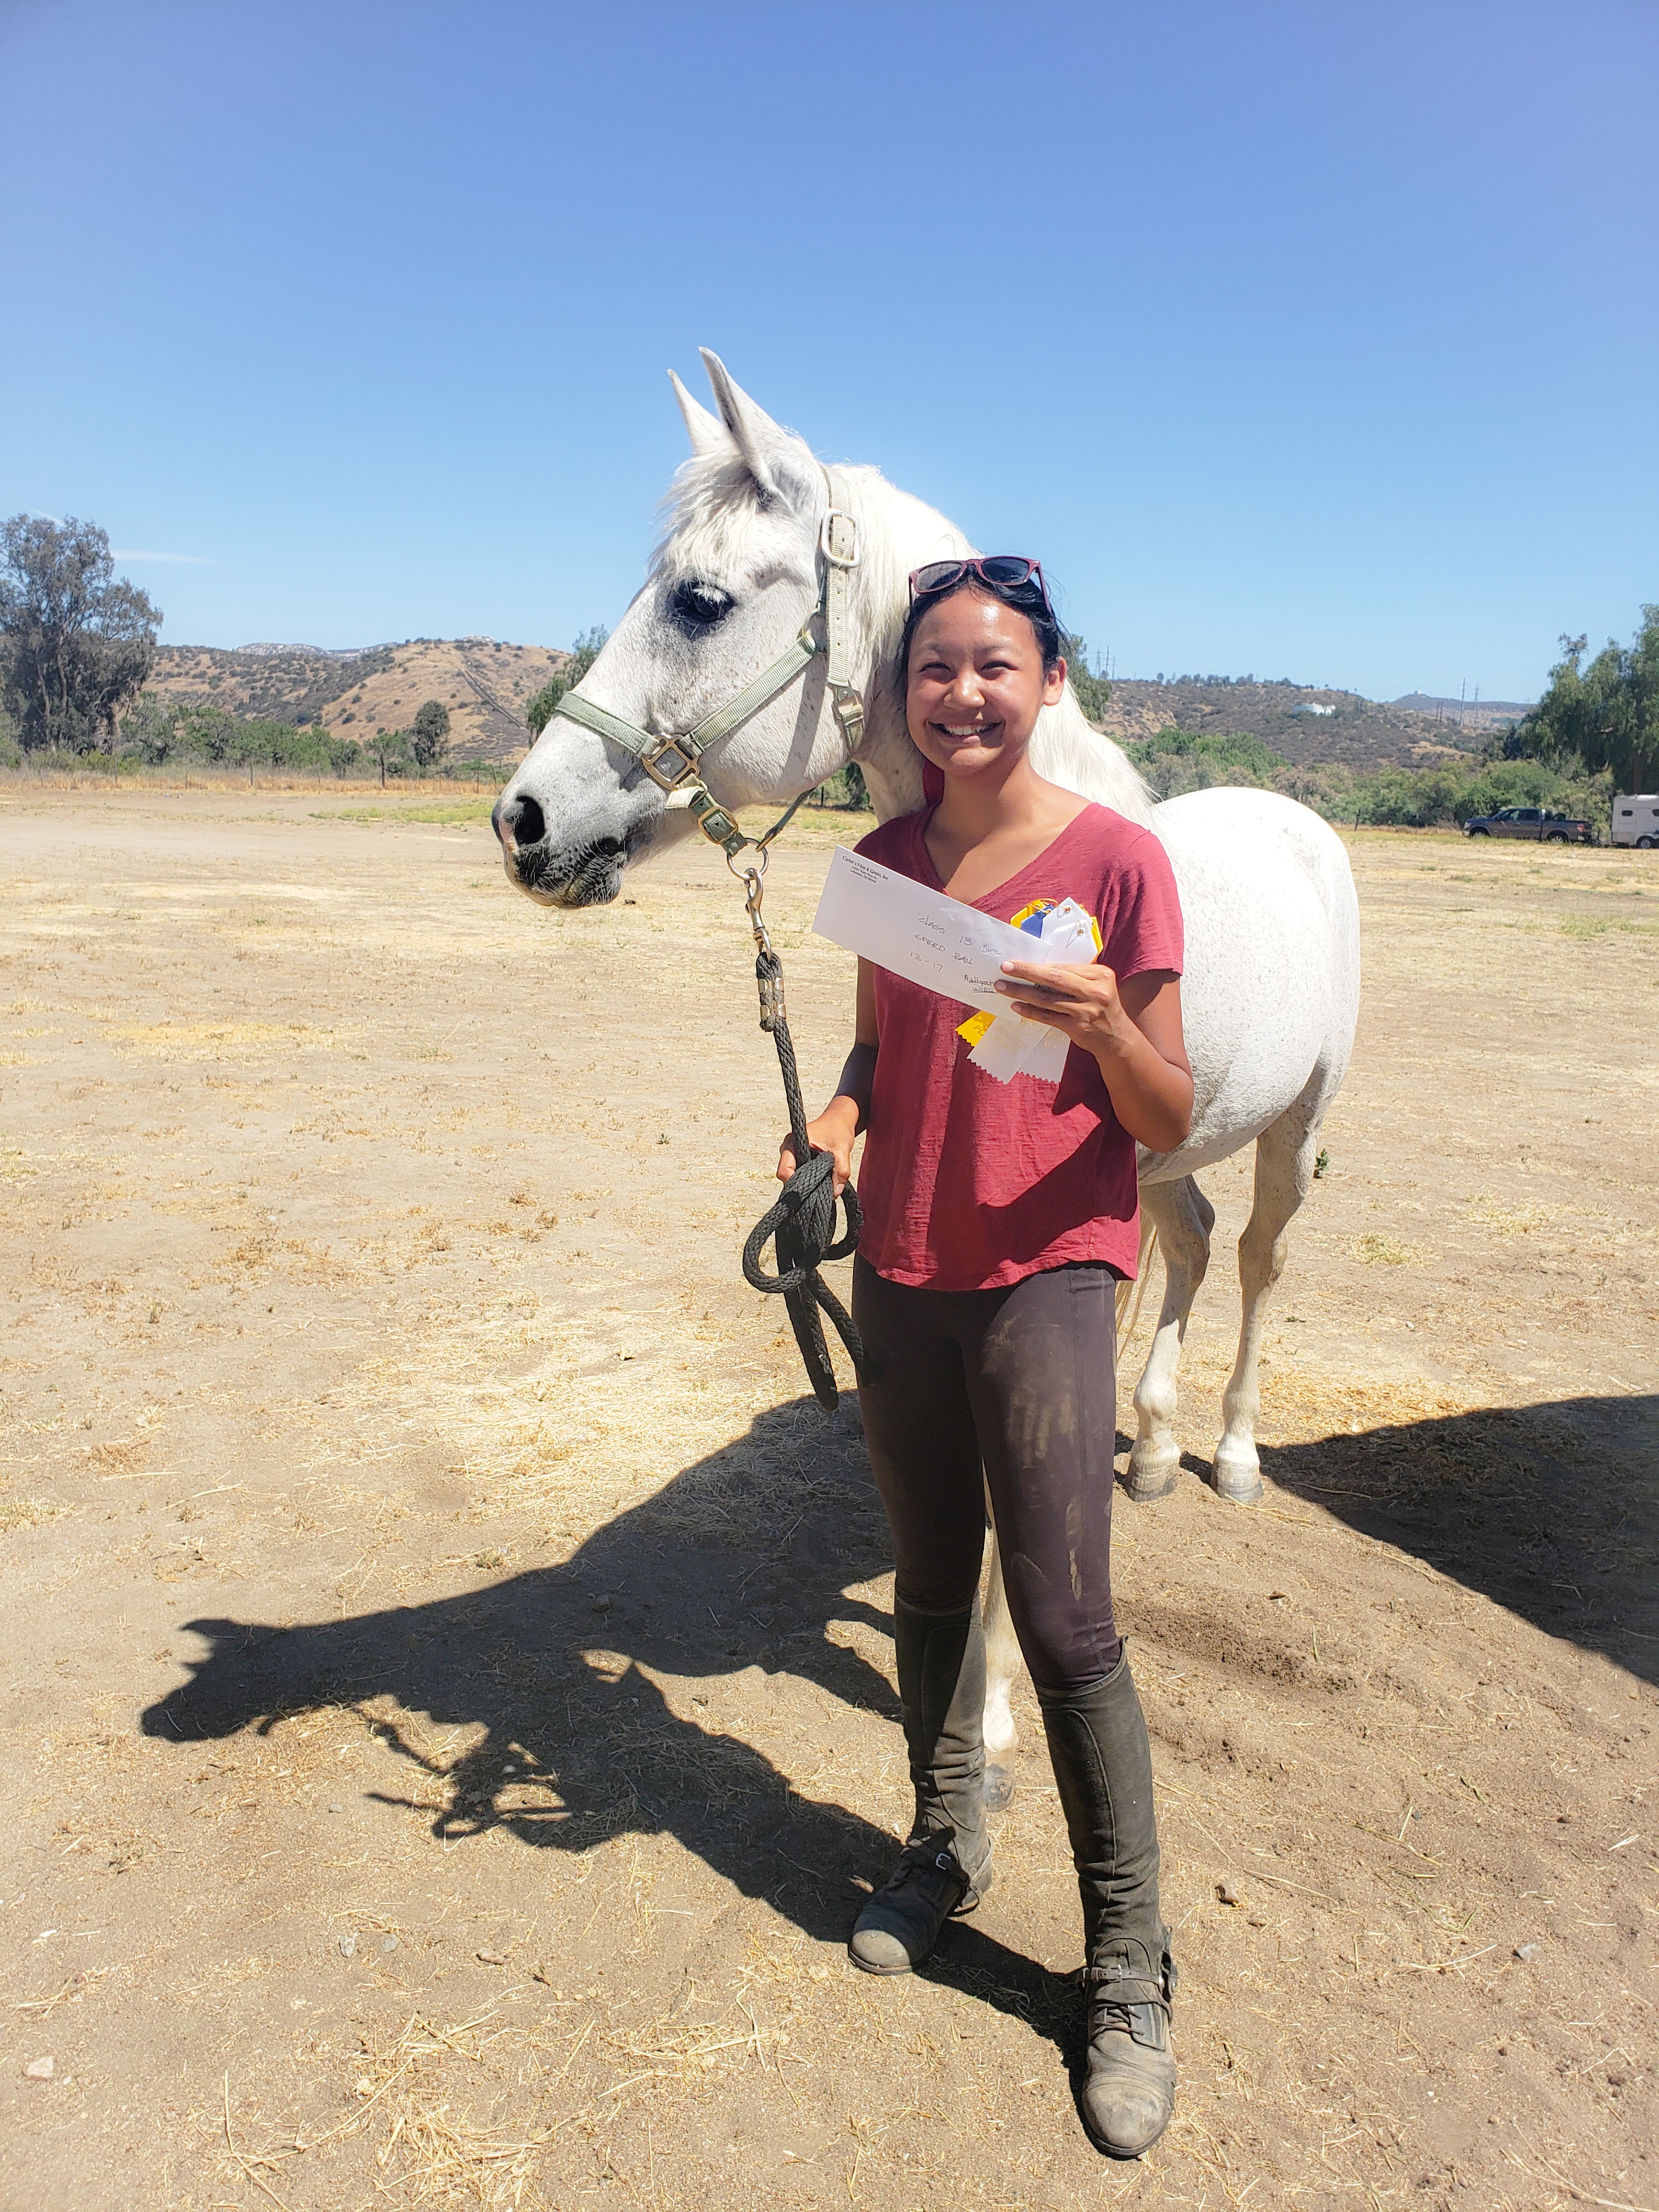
1315 341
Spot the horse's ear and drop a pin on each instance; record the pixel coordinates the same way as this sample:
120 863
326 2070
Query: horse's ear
769 451
705 430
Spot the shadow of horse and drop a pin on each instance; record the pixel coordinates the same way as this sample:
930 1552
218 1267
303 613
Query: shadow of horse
744 1560
1551 1510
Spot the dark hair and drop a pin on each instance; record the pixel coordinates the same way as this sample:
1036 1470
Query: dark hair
1025 598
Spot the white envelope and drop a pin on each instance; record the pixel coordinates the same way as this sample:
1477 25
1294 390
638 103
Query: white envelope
954 950
919 934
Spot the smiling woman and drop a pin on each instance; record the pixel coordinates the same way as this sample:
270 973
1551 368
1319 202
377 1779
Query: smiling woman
999 1216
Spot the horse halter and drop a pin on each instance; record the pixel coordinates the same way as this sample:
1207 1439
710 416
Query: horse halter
672 761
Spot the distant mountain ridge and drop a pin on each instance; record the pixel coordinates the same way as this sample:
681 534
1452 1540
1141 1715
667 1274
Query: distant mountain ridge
487 683
1472 713
314 652
1304 724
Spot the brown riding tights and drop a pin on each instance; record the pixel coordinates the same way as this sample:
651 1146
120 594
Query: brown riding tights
1014 1391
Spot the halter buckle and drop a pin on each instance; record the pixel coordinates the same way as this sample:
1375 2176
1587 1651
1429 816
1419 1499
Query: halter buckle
668 763
832 559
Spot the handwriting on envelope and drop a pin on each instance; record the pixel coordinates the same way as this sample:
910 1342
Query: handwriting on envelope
919 934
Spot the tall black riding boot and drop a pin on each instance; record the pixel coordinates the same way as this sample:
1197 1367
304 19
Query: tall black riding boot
1103 1769
945 1866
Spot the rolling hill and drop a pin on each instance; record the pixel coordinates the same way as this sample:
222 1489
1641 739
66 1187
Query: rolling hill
484 682
1306 727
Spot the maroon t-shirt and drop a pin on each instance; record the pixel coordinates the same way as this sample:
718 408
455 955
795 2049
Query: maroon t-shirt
968 1184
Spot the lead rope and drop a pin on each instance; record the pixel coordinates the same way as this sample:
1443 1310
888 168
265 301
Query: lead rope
802 1224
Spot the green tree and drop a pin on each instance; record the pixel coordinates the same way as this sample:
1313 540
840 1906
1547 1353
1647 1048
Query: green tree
76 642
539 711
1602 716
429 736
150 730
590 643
390 747
586 651
208 731
1091 689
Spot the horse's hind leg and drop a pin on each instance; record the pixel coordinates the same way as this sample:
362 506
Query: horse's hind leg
1183 1218
1285 1155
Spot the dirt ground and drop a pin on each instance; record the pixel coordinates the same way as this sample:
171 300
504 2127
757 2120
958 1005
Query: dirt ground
449 1701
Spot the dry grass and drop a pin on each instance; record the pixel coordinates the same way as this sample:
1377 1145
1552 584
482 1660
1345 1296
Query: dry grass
190 1041
1386 1251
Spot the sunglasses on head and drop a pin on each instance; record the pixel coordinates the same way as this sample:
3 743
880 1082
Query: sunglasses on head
1001 571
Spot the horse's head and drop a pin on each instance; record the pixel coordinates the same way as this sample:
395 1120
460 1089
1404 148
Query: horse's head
740 568
737 572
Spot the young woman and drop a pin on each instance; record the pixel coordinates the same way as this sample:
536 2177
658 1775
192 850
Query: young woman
998 1220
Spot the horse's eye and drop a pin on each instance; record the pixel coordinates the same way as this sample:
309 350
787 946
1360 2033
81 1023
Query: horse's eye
697 607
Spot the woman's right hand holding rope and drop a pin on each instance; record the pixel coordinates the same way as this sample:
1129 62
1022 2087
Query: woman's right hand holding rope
833 1132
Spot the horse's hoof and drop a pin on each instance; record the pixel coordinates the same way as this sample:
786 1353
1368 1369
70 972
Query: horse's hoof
1146 1484
1239 1481
999 1787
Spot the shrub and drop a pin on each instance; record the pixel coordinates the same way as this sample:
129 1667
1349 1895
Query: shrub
1177 761
844 789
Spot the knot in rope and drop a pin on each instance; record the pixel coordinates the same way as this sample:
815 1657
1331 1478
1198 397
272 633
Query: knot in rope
801 1225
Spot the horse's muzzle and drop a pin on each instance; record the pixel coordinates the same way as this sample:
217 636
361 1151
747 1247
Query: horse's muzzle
588 875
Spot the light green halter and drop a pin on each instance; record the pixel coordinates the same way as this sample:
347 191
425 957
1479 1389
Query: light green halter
672 761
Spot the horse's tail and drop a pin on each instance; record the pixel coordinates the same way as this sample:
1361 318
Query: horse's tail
1131 1296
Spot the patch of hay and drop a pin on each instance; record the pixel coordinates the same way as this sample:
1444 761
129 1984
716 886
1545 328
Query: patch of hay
206 1041
1387 1252
1506 1220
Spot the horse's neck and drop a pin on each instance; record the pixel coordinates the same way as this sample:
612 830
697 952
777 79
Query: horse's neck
897 533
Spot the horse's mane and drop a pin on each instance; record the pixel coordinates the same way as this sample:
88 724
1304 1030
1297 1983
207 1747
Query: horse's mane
709 519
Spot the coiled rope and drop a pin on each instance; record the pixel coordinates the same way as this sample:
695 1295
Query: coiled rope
802 1225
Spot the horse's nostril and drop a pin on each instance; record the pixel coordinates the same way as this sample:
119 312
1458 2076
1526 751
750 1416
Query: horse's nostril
524 821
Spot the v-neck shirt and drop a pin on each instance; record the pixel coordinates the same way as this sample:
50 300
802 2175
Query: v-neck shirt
968 1184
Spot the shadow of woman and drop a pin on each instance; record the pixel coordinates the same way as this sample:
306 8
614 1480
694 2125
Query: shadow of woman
745 1560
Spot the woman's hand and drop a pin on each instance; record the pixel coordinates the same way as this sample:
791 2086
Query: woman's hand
832 1132
1133 1034
1080 998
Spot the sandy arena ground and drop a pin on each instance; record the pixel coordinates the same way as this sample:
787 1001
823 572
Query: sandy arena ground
449 1696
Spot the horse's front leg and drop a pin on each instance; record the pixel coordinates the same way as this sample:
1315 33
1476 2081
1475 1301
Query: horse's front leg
1183 1218
1001 1665
1284 1154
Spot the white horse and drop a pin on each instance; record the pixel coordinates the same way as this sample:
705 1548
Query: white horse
1271 990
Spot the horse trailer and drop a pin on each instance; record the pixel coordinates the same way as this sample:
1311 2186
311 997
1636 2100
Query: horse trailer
1636 820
